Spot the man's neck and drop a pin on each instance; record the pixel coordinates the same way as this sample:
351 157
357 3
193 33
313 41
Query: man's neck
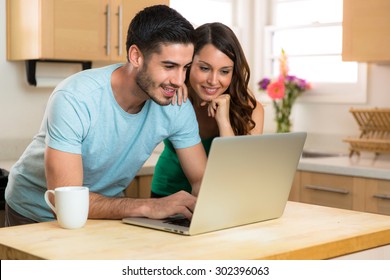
126 92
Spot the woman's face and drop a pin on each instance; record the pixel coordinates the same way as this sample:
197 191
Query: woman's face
211 73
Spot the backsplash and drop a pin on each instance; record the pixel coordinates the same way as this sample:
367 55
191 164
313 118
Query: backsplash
328 143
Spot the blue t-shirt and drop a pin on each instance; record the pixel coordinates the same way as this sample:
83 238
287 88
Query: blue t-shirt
83 117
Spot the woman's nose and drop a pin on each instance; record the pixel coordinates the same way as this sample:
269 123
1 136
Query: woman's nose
212 78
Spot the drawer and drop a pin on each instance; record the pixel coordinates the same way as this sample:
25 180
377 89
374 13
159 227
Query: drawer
328 190
377 196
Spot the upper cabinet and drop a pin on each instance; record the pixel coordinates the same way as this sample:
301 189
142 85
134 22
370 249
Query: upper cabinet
366 30
94 30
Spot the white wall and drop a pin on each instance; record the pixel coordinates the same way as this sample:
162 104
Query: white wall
332 122
22 107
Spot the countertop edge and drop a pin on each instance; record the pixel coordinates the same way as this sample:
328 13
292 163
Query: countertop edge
337 248
345 171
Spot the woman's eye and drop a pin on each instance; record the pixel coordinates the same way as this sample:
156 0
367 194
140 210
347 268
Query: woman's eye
203 68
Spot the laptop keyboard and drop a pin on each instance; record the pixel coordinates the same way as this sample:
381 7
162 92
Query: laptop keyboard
184 222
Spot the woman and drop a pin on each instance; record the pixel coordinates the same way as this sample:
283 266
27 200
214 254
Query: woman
218 89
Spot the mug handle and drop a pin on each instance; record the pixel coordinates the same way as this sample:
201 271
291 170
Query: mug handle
48 201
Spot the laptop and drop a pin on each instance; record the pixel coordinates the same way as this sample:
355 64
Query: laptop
247 180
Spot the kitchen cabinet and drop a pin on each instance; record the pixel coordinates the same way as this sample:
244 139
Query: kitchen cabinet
140 187
331 190
366 30
377 196
295 190
339 191
70 29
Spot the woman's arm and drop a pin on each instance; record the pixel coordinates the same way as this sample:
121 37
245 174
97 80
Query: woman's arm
258 118
219 109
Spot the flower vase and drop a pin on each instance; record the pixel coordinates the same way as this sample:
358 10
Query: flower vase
282 116
283 91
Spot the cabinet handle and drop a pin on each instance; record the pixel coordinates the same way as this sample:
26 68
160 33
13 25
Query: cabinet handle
108 26
120 26
326 189
381 196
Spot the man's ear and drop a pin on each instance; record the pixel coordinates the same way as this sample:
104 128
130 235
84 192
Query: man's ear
135 56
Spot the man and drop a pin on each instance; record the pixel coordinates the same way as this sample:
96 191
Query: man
101 125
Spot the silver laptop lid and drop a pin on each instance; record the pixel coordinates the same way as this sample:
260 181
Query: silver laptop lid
247 179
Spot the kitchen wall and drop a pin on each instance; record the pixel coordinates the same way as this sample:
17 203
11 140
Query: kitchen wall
329 123
22 107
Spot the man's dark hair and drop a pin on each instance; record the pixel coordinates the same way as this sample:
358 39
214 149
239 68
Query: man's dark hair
157 25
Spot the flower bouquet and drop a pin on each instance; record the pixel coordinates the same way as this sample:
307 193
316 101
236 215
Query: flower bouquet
283 91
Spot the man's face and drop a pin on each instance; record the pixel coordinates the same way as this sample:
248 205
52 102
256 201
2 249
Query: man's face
165 72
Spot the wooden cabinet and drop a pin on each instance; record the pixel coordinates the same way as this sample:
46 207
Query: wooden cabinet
295 189
377 196
70 29
366 30
346 192
330 190
339 191
140 187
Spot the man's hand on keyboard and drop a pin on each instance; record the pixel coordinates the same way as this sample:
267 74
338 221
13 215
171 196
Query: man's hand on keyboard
179 203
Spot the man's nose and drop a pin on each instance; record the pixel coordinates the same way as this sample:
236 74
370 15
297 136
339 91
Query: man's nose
178 78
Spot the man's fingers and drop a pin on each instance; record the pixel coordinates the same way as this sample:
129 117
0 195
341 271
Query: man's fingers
185 211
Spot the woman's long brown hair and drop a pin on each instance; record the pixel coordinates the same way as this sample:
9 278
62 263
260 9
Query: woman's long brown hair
242 102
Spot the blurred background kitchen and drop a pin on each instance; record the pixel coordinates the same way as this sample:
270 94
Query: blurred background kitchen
315 53
310 31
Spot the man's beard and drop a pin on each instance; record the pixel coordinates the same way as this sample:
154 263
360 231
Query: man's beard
145 83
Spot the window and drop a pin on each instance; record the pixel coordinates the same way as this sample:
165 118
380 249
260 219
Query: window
310 32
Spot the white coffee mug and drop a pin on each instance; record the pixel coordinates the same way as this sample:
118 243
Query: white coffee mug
71 205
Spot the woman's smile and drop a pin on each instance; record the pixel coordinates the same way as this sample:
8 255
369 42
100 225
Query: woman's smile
209 90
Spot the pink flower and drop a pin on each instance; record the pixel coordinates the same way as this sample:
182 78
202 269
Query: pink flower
285 86
276 89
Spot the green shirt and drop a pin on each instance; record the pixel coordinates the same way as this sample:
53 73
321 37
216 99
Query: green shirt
168 177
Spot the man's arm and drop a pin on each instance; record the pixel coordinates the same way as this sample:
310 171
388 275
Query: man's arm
66 169
193 162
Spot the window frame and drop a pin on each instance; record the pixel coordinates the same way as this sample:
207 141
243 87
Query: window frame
320 92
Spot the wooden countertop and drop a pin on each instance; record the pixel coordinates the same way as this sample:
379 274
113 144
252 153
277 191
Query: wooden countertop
303 232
